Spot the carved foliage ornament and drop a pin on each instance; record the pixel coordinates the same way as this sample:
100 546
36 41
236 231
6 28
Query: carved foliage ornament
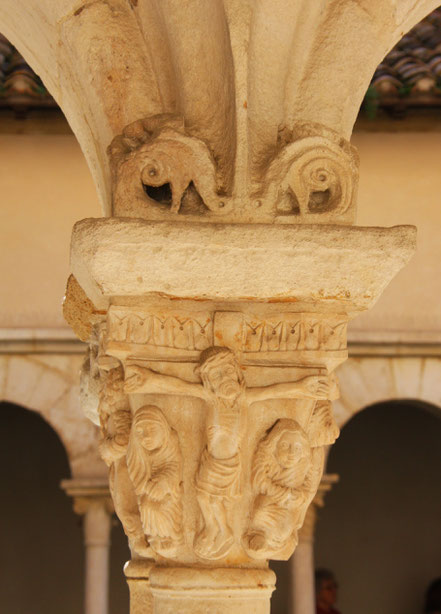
160 170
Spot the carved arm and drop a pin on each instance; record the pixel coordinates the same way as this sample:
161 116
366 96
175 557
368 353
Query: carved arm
141 379
320 387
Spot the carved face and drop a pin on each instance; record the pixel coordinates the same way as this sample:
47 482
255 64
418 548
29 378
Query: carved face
224 378
292 448
150 436
113 390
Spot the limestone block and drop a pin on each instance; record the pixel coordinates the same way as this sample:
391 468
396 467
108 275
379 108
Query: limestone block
212 363
218 591
137 572
302 265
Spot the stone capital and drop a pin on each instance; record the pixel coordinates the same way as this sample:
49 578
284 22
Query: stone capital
88 493
307 532
214 348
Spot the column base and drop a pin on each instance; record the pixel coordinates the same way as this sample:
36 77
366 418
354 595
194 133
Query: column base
216 591
137 573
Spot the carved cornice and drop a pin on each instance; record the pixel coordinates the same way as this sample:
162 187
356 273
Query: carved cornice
381 343
239 262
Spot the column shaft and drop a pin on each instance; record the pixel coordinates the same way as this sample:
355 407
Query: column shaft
97 525
302 568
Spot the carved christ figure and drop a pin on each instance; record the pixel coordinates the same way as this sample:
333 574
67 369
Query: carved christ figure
224 390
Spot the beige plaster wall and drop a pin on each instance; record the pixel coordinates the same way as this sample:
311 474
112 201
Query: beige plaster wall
45 187
400 183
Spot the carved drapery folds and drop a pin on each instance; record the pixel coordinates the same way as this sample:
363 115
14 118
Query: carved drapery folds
287 467
210 449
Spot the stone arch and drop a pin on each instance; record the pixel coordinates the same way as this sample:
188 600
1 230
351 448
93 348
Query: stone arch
388 460
49 385
111 62
370 380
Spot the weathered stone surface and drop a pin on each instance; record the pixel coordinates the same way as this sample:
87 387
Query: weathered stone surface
303 265
213 369
78 309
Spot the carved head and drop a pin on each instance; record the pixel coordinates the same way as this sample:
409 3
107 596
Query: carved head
287 450
292 447
150 427
220 372
148 436
113 389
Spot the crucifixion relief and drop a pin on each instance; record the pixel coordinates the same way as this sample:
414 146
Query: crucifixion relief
227 398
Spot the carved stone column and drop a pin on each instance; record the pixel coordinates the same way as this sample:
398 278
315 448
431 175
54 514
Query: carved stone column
92 501
213 345
302 561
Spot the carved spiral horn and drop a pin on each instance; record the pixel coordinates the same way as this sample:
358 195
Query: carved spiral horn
319 170
319 178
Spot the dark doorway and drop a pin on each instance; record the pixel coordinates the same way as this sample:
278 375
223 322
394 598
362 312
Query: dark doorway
380 529
41 554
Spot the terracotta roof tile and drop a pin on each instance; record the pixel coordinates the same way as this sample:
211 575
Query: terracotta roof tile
410 75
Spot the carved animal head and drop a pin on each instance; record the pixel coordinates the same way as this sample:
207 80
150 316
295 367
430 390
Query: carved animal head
154 163
314 174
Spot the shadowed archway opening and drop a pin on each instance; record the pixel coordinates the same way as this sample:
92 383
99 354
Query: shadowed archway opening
379 530
42 553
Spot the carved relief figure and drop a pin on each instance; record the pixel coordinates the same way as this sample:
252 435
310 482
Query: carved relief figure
156 152
284 478
219 475
227 398
115 419
314 172
155 468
